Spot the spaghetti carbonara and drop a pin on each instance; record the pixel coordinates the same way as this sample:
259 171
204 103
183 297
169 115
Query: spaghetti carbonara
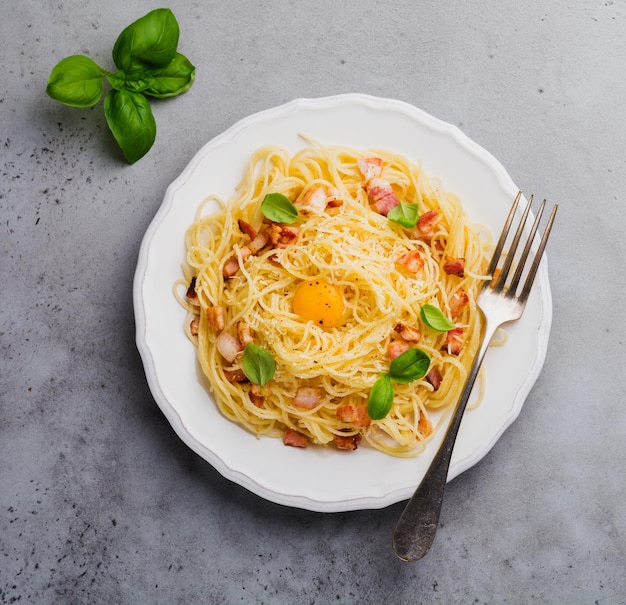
332 298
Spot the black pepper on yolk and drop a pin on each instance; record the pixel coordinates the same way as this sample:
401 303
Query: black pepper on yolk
319 301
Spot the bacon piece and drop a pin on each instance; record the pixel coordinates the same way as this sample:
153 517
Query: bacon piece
454 266
458 301
382 195
194 326
347 442
235 375
257 395
231 267
228 346
247 228
356 415
370 167
424 425
397 347
308 397
454 341
215 317
281 236
408 333
257 244
191 290
333 198
412 261
314 199
244 333
294 439
426 223
434 378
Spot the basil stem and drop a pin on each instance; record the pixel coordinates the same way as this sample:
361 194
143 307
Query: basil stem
258 364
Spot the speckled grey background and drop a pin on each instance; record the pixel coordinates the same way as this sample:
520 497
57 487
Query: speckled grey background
100 502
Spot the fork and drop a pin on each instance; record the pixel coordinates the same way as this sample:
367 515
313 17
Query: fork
498 303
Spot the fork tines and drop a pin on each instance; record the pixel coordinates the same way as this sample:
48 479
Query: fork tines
500 274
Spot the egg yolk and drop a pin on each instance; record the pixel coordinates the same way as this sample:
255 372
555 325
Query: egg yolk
320 302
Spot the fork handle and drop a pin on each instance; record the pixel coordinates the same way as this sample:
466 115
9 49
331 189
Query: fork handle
415 530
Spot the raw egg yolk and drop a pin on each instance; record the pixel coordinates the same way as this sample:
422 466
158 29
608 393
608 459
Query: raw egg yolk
320 302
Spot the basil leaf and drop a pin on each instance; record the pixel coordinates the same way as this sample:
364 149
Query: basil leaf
404 214
435 319
130 119
173 79
258 364
278 208
381 398
411 365
76 81
135 81
151 41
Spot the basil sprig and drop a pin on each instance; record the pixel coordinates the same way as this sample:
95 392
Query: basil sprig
279 208
404 369
404 214
148 64
434 318
258 364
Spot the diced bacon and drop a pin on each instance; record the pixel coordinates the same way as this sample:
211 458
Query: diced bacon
244 333
194 326
408 333
281 236
308 397
370 167
247 228
434 378
333 198
356 415
426 223
215 317
347 442
382 195
235 375
397 347
314 199
454 266
191 290
256 245
454 341
412 261
231 267
458 301
294 439
228 346
257 395
424 425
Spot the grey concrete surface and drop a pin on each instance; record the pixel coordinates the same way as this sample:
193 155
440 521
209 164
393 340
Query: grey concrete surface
100 502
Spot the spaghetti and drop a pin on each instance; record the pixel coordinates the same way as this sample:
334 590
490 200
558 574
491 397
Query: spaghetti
334 296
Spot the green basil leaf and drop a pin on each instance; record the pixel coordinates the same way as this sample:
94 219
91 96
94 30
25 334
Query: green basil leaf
404 214
130 119
411 365
151 41
135 81
174 79
434 318
380 398
278 208
258 364
76 81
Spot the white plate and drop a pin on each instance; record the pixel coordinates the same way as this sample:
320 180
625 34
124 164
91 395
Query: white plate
316 478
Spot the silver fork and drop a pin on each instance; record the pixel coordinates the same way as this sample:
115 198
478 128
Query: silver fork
500 303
